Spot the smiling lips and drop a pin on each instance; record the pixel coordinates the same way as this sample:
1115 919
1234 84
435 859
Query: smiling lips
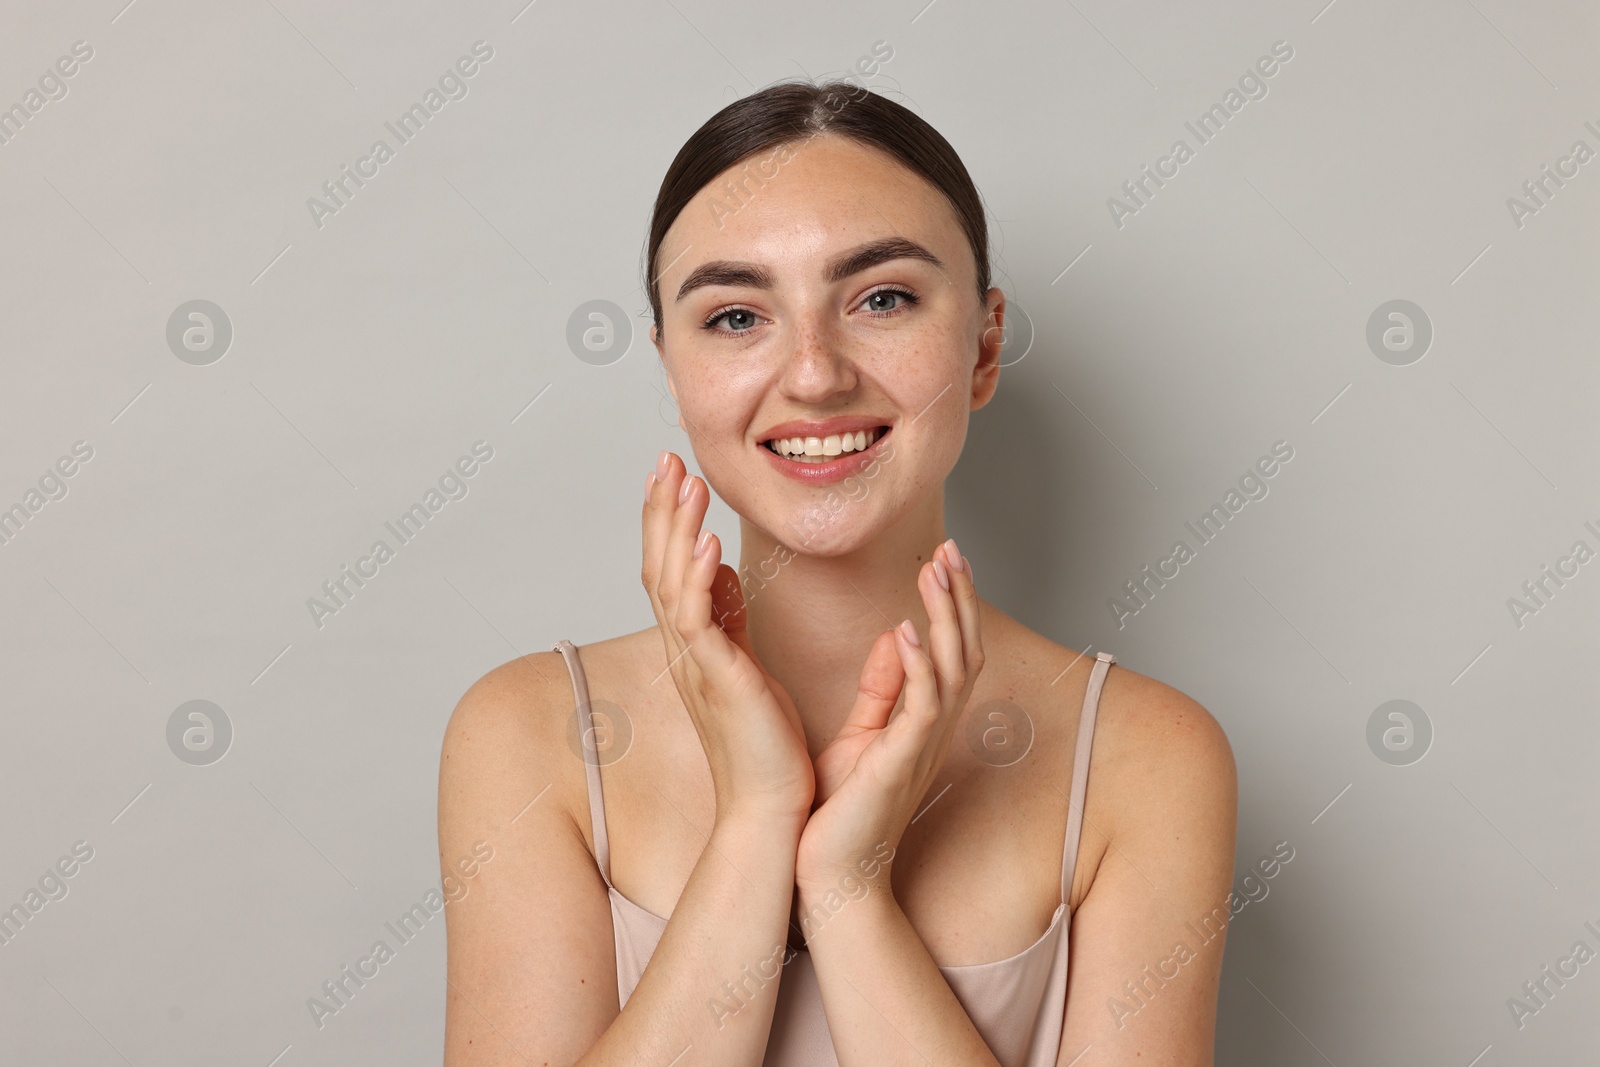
834 444
823 453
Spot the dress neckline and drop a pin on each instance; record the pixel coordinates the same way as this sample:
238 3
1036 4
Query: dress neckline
1044 938
1081 752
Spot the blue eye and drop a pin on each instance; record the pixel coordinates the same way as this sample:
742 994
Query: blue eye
746 313
749 318
908 298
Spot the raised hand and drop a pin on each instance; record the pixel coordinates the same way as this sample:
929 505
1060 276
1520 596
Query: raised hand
748 725
875 772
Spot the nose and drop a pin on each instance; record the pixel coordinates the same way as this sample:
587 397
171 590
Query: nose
817 368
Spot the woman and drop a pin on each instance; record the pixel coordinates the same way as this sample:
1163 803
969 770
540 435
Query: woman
837 835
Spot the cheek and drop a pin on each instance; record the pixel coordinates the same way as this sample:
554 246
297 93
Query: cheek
715 410
713 403
932 452
933 384
935 359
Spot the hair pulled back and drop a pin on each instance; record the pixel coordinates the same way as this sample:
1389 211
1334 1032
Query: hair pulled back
796 111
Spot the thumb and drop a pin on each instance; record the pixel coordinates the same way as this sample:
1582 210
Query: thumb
882 677
728 608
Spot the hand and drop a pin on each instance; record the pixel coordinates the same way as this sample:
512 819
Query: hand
872 776
748 725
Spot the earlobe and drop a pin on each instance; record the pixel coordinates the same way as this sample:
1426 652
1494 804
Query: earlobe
986 373
673 389
985 383
655 339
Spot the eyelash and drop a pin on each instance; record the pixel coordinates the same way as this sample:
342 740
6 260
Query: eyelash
910 299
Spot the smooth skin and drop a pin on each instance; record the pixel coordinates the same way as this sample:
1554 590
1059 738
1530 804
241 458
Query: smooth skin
801 732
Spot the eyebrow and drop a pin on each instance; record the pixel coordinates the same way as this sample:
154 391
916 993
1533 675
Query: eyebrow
842 266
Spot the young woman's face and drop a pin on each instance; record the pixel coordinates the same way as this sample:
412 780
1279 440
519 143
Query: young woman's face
835 298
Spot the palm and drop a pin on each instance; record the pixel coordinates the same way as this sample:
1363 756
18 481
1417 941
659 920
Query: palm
834 763
862 743
728 608
857 767
879 766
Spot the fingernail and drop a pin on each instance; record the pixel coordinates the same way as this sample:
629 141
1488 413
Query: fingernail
940 573
909 632
649 484
701 543
954 553
661 464
683 490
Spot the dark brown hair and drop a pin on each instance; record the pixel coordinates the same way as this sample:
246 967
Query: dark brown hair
792 111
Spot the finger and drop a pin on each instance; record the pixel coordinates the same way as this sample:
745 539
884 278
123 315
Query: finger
709 648
965 594
922 710
882 678
727 607
944 633
656 522
689 509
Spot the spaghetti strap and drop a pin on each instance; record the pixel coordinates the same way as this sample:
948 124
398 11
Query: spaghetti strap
1080 769
591 757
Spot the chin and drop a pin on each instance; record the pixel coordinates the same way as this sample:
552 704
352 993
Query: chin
835 525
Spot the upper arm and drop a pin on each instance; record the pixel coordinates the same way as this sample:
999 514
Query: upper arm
1147 941
532 970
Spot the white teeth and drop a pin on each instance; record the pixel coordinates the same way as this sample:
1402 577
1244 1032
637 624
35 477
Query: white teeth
824 447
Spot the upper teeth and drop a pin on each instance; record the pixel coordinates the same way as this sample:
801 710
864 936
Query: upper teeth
832 445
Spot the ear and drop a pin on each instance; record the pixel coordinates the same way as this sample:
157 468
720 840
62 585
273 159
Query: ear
986 373
655 339
672 387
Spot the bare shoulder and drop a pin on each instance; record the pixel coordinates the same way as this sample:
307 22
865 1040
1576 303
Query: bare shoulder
1161 753
1146 725
520 709
514 728
529 951
506 718
1164 791
1162 779
1154 745
505 780
512 734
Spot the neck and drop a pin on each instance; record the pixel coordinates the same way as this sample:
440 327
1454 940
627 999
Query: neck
812 619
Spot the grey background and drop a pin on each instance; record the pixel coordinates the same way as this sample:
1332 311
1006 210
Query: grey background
369 354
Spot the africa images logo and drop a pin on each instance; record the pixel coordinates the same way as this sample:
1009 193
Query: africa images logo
1206 529
452 86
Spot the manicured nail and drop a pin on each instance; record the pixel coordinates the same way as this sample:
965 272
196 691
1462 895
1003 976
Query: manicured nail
701 543
649 484
954 554
940 573
661 464
909 632
683 490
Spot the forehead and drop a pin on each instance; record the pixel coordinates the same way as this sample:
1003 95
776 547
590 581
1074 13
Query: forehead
832 193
